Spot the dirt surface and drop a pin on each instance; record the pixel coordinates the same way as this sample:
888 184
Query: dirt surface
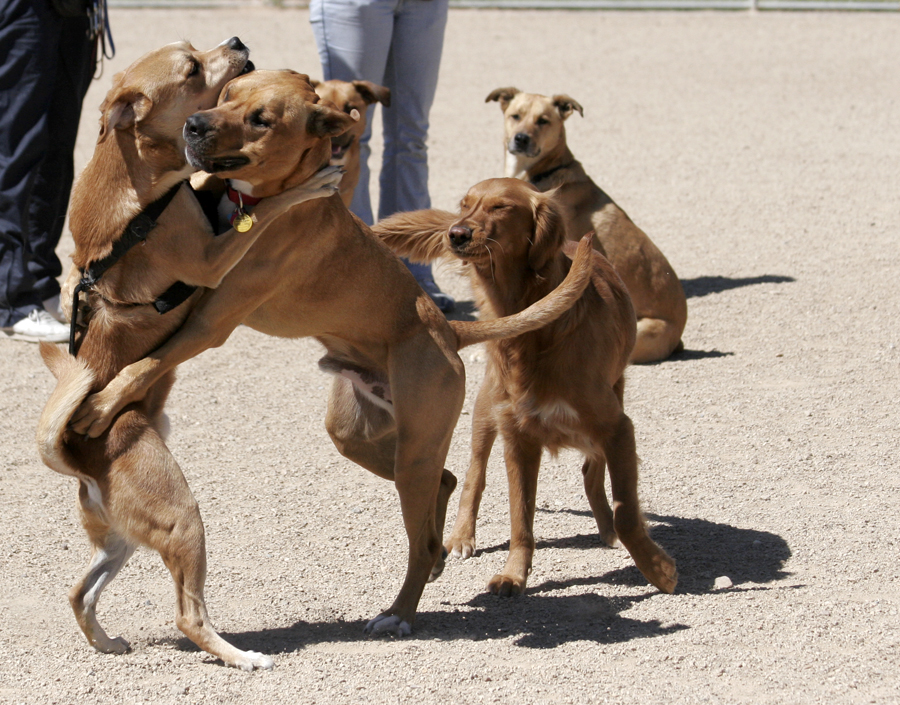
760 152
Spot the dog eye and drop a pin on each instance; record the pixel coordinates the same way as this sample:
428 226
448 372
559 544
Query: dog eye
516 117
257 120
499 207
542 121
195 68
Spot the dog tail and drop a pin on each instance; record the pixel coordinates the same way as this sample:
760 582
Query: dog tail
74 382
540 313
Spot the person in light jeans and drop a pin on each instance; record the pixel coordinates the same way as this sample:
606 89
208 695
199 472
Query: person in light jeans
398 44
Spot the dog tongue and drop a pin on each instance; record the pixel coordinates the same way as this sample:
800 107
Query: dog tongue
336 150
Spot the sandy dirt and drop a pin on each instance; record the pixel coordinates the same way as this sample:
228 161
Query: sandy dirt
760 152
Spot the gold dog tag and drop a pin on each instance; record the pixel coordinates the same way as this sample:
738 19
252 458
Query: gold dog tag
242 222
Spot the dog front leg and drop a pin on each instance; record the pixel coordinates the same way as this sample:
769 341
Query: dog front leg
523 461
461 543
209 326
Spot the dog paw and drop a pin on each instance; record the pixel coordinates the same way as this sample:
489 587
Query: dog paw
95 414
115 645
660 570
461 547
327 179
249 660
506 586
438 566
388 624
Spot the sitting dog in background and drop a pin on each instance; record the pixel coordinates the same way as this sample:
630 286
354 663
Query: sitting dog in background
349 96
561 386
536 151
131 490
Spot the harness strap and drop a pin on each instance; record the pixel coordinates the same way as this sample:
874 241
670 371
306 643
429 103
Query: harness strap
136 231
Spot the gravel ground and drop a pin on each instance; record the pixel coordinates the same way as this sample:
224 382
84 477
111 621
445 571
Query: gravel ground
760 152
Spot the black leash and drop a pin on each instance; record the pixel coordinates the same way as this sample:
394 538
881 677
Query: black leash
136 231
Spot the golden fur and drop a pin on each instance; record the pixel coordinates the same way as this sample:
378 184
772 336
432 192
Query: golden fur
561 386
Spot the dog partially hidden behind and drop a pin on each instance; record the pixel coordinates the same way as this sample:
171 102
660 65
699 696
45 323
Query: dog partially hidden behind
349 96
534 141
561 386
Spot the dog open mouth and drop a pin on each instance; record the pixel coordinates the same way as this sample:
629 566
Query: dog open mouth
339 147
214 165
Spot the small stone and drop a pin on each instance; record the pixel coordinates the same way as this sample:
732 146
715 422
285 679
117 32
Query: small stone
723 582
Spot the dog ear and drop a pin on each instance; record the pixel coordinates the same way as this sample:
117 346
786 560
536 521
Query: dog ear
549 231
122 110
373 93
325 121
566 105
503 95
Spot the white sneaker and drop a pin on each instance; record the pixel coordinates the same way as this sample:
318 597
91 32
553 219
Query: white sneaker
37 326
52 306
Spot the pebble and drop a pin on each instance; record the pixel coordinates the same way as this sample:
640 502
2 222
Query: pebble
723 582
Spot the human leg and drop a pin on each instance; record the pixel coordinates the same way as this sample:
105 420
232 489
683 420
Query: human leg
353 38
411 73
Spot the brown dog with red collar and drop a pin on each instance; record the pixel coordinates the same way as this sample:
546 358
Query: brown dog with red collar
349 96
536 151
399 382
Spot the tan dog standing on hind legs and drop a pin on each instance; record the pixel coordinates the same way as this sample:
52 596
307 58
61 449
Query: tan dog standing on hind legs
561 386
131 490
399 383
536 151
349 96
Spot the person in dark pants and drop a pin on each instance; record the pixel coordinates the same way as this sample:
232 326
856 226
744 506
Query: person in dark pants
46 65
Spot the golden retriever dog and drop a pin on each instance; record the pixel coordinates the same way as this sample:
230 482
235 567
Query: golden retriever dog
560 386
132 492
536 151
349 96
320 272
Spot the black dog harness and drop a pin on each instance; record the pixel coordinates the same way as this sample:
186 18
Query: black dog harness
136 231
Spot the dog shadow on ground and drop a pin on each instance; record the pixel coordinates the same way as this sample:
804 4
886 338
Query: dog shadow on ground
544 618
704 286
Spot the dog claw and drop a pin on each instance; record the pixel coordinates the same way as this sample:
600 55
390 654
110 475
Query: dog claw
388 624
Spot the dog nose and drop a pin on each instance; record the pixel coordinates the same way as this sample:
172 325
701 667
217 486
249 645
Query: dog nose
236 44
521 140
196 126
460 235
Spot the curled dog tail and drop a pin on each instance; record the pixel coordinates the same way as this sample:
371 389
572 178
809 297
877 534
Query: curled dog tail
540 313
74 382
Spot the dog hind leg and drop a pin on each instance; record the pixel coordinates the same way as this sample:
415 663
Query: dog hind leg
523 461
656 340
365 434
651 560
110 553
148 499
594 473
